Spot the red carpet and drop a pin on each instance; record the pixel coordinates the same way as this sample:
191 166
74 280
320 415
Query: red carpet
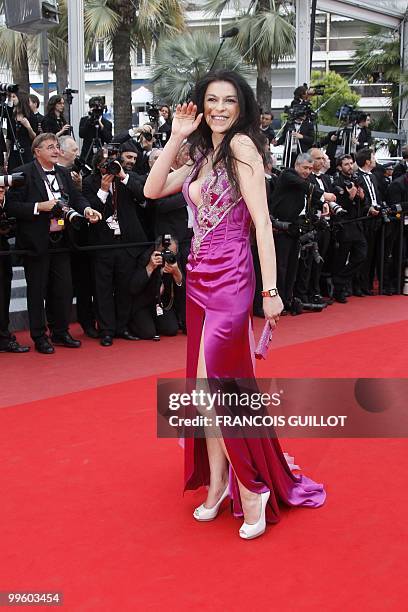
92 506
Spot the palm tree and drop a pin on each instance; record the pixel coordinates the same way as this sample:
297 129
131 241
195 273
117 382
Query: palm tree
181 61
127 23
14 53
378 55
266 35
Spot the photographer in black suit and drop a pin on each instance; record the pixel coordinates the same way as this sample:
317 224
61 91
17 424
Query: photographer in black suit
401 168
362 132
94 129
365 160
298 135
8 342
116 194
41 211
294 199
323 182
349 241
156 286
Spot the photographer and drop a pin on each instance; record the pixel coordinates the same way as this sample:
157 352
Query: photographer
365 160
298 134
349 242
362 135
114 193
94 129
34 103
323 182
82 278
8 342
145 141
43 207
401 168
156 286
164 129
397 199
22 128
266 126
294 202
68 153
54 121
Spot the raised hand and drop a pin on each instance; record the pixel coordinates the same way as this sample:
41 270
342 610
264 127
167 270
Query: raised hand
185 120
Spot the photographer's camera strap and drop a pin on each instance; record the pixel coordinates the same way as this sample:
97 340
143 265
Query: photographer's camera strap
56 225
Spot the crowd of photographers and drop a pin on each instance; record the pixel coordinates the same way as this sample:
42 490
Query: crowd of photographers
84 227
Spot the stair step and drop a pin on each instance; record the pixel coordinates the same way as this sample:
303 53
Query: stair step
18 273
18 288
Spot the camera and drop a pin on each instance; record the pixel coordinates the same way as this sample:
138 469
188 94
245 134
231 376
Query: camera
111 164
347 113
336 209
7 88
80 166
300 109
317 90
62 210
153 111
167 255
9 180
98 107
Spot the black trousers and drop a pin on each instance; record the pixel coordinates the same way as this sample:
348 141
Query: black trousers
391 243
323 242
303 275
145 323
84 288
365 276
287 255
49 281
6 275
348 258
113 270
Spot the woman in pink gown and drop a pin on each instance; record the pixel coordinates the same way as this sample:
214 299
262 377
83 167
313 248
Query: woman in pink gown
224 187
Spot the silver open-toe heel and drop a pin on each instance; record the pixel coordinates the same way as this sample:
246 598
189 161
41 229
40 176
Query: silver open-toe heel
208 514
249 532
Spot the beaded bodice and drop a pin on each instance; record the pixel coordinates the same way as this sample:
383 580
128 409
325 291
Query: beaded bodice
217 200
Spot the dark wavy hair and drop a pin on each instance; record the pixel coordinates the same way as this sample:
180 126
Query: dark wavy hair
52 102
247 122
22 105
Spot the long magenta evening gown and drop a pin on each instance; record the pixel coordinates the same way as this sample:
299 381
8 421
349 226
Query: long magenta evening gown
220 290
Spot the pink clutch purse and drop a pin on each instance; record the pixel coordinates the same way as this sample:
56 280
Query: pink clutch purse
261 350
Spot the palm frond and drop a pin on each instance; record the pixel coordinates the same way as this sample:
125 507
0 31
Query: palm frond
100 20
181 61
266 37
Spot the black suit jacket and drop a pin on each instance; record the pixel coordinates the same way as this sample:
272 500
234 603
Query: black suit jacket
128 197
288 198
326 180
171 216
87 131
397 191
364 139
399 170
50 124
368 198
33 230
307 131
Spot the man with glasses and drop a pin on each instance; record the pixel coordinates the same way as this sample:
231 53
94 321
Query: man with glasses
41 230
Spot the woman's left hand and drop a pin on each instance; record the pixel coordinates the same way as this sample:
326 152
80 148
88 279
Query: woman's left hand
272 307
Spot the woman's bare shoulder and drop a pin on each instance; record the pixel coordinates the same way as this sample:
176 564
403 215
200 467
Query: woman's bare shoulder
244 149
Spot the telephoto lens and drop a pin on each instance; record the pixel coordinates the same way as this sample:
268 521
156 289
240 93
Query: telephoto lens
12 180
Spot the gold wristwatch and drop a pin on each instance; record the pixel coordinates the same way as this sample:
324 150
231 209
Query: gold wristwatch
270 292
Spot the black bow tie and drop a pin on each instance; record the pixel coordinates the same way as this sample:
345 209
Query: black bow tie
52 172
